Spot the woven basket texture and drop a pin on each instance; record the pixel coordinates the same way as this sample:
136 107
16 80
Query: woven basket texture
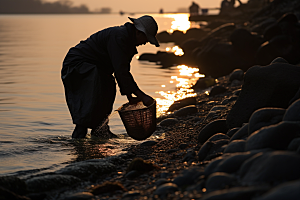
140 123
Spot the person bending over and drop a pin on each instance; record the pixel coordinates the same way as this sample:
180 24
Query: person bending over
91 67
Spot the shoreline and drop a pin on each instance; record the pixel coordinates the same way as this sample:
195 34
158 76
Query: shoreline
241 141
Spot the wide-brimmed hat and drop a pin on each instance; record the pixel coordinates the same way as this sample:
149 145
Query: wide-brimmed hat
147 25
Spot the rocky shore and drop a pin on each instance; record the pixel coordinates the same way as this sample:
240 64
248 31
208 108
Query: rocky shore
239 142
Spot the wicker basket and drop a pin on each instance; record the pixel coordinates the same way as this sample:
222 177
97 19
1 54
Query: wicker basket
141 123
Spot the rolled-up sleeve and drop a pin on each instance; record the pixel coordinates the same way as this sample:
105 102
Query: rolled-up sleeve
121 55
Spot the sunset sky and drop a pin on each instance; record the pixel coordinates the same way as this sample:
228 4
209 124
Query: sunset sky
144 5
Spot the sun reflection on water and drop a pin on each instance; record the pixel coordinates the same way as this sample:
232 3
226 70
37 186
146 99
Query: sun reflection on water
181 22
176 50
187 77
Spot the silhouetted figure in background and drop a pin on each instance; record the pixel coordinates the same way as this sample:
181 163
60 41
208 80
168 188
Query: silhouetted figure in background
194 9
161 11
227 6
88 69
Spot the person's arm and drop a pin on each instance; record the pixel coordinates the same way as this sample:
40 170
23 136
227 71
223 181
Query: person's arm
120 58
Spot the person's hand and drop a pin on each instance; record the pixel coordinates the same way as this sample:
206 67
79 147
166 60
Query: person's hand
133 100
147 100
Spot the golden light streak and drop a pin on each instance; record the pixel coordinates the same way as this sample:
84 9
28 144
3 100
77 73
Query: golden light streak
187 78
176 50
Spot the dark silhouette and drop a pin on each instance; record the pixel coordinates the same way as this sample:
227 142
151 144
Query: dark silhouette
194 9
39 7
91 67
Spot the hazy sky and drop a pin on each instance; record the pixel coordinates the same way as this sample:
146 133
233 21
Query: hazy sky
145 5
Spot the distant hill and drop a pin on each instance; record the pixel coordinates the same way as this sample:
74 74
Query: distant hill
39 7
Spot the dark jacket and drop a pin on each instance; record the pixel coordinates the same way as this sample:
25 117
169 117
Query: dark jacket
87 73
111 50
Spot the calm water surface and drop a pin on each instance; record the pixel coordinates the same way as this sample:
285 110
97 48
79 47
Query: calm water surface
35 122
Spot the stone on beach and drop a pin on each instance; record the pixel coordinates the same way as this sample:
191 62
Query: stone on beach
80 196
235 146
84 169
51 182
216 126
236 193
182 103
276 136
265 117
270 167
268 86
187 110
287 191
165 189
242 133
293 112
218 181
232 162
168 122
236 74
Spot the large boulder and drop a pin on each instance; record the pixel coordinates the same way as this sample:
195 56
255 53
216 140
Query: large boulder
270 167
264 86
276 136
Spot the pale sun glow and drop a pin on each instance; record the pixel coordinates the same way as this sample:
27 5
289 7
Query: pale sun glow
181 22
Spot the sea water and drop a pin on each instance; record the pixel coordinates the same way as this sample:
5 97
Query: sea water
35 123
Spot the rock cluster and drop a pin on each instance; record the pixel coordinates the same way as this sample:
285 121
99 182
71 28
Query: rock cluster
240 141
237 43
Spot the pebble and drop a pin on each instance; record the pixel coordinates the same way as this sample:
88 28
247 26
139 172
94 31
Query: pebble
232 131
235 193
164 174
218 136
217 90
149 143
80 196
165 189
229 100
132 174
172 150
233 162
218 108
188 110
169 122
161 181
189 156
218 181
84 169
183 146
242 133
216 126
188 177
235 146
236 74
50 182
131 194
